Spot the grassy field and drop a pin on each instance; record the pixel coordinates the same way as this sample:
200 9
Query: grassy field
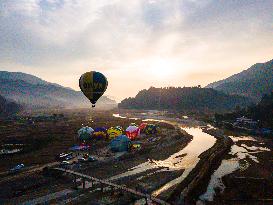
45 139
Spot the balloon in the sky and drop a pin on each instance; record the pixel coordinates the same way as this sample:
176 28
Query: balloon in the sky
93 84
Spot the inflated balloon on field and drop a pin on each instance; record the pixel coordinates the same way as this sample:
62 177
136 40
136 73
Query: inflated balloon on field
142 126
119 128
151 129
93 84
120 144
100 132
132 132
114 132
85 133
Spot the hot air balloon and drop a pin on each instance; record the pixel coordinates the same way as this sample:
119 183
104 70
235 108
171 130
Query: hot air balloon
151 129
100 132
132 132
85 133
93 84
114 132
120 144
142 126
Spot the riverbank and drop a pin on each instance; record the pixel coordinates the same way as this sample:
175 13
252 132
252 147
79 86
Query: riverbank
153 148
140 170
196 182
245 173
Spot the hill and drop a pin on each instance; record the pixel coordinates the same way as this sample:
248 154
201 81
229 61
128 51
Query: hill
34 92
8 108
254 82
188 99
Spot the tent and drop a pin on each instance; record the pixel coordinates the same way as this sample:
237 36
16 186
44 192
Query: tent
133 124
151 129
114 132
120 144
132 132
100 132
85 133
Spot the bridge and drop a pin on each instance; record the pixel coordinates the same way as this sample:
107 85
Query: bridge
112 185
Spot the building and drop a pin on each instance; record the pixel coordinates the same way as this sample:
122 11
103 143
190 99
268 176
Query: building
245 122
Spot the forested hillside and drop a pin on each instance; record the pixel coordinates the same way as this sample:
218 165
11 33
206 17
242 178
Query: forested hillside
254 82
184 99
8 108
33 92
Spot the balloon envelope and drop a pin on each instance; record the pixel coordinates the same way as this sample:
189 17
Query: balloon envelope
142 126
114 132
85 133
100 132
120 144
151 129
132 132
93 84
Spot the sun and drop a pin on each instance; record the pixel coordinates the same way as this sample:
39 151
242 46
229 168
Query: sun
161 68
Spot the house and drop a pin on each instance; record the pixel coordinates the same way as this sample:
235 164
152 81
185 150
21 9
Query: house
245 122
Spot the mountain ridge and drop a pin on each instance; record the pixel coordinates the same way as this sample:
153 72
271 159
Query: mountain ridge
33 92
189 99
253 82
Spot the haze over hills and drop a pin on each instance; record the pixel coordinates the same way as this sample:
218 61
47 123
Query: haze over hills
188 99
33 92
7 107
254 82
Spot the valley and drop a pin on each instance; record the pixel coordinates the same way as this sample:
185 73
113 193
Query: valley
175 155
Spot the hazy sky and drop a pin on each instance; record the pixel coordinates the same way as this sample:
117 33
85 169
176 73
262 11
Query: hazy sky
135 43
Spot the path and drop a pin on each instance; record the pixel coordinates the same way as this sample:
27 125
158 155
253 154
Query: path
120 187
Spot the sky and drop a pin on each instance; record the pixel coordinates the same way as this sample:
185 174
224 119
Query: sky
135 44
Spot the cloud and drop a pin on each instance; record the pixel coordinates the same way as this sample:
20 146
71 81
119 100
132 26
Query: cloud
65 37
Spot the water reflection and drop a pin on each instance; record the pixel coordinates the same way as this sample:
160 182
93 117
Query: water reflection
200 143
241 154
226 167
186 159
118 116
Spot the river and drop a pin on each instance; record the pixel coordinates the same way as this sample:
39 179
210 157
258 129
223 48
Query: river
185 159
241 155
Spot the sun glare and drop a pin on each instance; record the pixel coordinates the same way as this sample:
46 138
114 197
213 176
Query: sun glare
161 69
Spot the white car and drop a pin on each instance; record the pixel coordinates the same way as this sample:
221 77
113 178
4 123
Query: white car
17 168
65 163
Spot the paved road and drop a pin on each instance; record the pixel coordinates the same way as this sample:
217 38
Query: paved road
26 171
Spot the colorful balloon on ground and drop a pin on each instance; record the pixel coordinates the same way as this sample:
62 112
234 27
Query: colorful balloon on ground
120 144
85 133
114 132
151 129
132 132
142 126
120 128
100 132
93 84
